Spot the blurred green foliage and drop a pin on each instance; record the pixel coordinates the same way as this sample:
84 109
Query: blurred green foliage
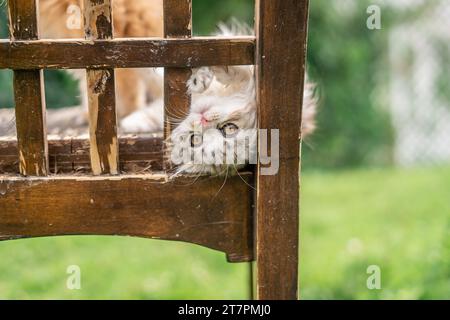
345 59
206 14
6 88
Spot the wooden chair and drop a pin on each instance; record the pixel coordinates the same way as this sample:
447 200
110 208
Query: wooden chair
48 199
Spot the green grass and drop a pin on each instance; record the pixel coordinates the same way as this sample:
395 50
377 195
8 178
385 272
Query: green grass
396 219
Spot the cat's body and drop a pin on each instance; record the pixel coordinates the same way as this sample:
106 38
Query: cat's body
222 117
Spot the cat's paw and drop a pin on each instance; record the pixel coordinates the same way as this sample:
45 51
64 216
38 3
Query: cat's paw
146 120
200 80
134 124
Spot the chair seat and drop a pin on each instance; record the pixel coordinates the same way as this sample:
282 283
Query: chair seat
146 205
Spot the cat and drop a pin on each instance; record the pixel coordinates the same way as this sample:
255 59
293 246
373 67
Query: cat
222 118
218 135
220 125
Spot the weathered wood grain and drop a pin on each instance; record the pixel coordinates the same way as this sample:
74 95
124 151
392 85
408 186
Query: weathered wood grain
281 48
71 155
104 146
28 94
177 100
126 53
23 22
142 206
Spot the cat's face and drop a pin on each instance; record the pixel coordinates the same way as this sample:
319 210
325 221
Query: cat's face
217 137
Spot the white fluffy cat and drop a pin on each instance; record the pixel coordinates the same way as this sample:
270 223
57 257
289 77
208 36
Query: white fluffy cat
218 136
219 133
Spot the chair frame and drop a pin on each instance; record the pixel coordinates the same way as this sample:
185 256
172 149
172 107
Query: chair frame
259 224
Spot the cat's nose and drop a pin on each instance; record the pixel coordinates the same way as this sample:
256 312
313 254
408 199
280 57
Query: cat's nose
204 121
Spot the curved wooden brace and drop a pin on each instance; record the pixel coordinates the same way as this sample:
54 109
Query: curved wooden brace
141 205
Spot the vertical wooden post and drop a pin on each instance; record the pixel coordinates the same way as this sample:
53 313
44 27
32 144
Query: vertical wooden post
104 149
281 27
177 24
29 94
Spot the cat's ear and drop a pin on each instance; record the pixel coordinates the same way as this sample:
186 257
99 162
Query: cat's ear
200 80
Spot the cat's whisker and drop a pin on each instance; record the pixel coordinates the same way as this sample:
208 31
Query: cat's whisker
195 180
224 182
176 119
175 175
243 180
175 116
309 144
146 169
172 122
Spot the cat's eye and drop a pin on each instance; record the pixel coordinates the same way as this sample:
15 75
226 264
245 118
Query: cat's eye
196 140
229 129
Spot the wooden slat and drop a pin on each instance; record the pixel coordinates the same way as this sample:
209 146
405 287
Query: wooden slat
127 53
29 94
142 206
281 35
71 155
177 100
104 147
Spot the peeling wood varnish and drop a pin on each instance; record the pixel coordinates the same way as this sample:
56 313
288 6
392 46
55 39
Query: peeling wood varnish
157 177
104 147
98 19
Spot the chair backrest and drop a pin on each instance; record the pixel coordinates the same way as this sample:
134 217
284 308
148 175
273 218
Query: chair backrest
41 202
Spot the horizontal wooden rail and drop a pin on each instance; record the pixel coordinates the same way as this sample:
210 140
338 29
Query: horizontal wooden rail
143 206
71 155
126 53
